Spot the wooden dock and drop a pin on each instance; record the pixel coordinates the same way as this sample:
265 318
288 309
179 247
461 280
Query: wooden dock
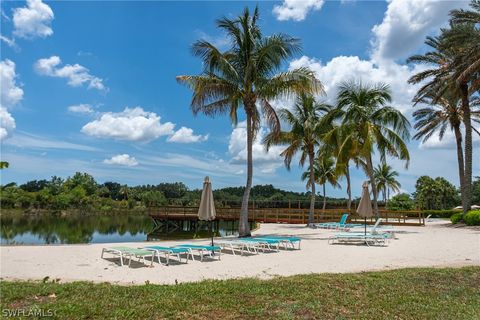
173 214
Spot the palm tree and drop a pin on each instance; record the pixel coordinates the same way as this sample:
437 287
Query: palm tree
465 36
124 191
454 66
385 179
464 39
324 171
247 75
4 164
303 137
369 124
332 146
443 113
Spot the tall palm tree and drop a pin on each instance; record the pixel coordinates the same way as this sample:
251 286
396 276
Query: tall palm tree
324 172
465 35
454 65
247 75
442 114
385 179
464 38
306 128
332 146
367 124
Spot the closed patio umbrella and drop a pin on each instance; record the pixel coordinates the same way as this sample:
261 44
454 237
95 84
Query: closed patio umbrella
365 206
206 210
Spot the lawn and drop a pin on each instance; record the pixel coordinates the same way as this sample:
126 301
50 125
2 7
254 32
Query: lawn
399 294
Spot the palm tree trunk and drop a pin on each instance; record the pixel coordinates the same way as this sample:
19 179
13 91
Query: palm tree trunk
311 214
324 199
349 188
243 226
461 164
374 187
467 186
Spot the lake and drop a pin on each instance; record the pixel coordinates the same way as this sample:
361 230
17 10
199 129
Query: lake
23 229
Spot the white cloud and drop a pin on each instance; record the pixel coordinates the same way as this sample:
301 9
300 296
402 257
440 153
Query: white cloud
221 42
4 15
10 95
122 160
185 135
448 141
296 9
77 75
81 108
31 141
405 25
7 123
267 162
10 42
33 21
132 124
345 68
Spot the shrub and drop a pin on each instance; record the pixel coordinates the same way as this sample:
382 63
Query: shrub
472 218
455 218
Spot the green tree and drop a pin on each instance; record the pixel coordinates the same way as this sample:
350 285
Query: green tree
247 75
4 164
153 199
173 190
386 180
401 201
34 185
324 172
435 194
306 129
86 181
368 123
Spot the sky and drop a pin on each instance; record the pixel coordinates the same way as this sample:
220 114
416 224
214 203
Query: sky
90 86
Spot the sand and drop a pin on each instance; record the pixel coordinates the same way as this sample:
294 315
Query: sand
436 245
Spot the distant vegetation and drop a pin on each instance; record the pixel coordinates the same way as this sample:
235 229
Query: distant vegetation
81 192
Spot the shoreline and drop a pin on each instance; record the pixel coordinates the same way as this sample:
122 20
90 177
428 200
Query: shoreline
435 245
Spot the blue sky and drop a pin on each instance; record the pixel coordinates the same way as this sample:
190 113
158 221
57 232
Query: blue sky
90 86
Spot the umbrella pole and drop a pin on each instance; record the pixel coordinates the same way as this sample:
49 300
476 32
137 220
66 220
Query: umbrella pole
211 233
365 221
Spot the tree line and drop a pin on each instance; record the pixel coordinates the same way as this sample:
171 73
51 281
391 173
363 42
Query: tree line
82 192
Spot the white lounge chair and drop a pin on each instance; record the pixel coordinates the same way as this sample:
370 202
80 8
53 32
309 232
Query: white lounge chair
202 250
168 251
127 252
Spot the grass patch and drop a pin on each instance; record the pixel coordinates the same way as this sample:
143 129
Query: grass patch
400 294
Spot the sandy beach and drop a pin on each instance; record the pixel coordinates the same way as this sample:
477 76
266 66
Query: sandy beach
436 245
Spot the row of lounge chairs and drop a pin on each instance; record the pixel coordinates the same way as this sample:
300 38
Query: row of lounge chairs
376 235
244 245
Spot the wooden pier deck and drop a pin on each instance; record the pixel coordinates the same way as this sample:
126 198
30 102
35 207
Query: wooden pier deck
285 215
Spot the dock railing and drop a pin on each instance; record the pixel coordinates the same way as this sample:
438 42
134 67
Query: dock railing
289 215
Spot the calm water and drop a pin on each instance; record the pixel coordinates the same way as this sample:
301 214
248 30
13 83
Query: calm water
69 229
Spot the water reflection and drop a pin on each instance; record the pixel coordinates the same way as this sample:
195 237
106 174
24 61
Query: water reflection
17 229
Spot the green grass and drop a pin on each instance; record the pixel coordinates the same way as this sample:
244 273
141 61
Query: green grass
400 294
